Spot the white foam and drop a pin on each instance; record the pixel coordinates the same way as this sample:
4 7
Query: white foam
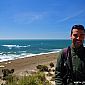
6 57
10 46
17 46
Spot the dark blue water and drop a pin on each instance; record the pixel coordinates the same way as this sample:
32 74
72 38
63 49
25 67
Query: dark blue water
16 48
32 46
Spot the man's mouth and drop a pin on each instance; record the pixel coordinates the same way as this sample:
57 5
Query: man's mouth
78 42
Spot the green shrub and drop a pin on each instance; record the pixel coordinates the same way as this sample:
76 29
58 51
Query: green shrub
35 79
11 80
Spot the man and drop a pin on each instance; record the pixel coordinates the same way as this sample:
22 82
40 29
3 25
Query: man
70 67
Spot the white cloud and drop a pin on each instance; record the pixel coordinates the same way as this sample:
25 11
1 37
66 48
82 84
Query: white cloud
73 15
27 18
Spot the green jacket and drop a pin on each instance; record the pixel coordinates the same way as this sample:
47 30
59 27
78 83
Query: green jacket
62 76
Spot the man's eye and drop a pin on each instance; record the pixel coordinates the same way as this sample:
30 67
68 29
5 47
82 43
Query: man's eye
75 35
82 34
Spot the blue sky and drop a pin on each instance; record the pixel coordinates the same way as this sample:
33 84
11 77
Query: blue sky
40 19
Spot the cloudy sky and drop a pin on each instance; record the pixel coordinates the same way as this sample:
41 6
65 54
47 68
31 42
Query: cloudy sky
40 19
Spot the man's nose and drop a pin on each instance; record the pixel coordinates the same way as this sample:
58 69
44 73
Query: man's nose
78 37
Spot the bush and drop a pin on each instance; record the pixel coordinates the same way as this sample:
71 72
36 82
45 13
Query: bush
49 74
42 68
7 73
11 80
53 78
39 67
51 65
35 79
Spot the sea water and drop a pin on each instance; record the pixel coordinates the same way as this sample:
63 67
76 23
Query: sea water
14 49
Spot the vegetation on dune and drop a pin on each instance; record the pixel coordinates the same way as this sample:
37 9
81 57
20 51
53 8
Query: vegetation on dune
38 78
34 79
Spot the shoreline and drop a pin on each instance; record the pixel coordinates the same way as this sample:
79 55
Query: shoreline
10 57
28 63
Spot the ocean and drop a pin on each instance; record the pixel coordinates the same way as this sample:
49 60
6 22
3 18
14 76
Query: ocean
14 49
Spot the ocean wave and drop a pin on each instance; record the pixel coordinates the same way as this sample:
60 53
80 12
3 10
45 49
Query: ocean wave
6 57
56 50
17 46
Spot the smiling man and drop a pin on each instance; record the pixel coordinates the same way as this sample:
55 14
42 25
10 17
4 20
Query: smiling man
77 35
70 67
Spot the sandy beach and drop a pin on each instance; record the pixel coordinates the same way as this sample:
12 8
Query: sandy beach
28 63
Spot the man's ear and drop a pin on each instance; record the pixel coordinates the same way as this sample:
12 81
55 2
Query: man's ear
84 36
70 36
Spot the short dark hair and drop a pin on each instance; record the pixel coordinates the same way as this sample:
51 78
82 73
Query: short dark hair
81 27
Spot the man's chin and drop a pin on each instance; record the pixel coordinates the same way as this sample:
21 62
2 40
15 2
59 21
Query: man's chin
78 45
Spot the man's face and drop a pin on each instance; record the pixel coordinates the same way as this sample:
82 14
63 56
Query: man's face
77 37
